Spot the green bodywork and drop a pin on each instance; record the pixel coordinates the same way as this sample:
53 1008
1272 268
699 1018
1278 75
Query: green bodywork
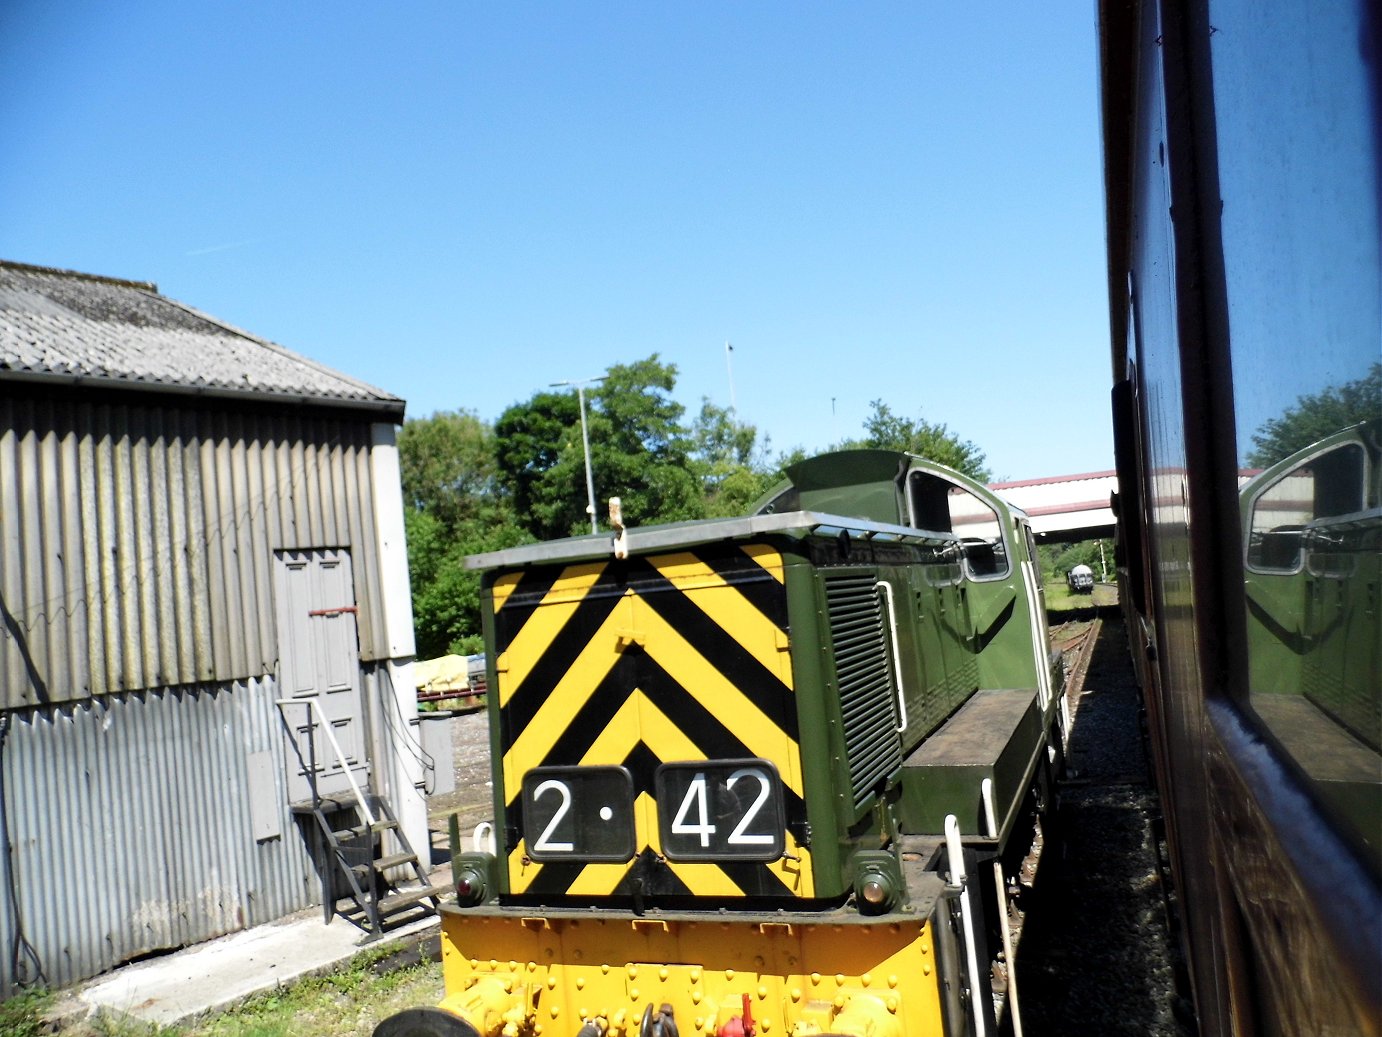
960 630
1312 553
950 624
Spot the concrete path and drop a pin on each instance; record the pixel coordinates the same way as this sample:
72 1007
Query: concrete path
211 977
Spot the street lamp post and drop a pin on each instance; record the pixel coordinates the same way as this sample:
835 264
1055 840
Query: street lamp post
585 445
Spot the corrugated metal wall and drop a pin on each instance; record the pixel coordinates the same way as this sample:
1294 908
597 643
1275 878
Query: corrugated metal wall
132 826
130 820
136 541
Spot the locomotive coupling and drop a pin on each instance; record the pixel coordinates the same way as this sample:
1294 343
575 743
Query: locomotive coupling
495 1006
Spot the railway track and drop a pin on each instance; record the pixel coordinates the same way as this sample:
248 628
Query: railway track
1095 952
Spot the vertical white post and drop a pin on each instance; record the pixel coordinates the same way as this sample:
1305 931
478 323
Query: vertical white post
1001 892
956 862
589 475
585 445
403 770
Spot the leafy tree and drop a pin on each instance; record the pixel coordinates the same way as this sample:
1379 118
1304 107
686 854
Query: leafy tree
885 430
448 466
446 595
453 506
645 450
469 487
542 464
639 452
1316 416
728 462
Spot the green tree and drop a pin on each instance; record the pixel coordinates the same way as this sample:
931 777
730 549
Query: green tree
1316 416
542 464
446 595
728 461
453 506
639 451
447 465
885 430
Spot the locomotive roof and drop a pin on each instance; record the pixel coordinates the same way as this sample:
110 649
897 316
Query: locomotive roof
639 540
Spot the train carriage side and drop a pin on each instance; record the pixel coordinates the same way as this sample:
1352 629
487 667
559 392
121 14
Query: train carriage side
1243 164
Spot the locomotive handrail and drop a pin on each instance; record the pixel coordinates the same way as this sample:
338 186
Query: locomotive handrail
955 861
685 534
887 590
1001 892
314 706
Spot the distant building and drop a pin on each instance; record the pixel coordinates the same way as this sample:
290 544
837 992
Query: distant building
201 535
1064 508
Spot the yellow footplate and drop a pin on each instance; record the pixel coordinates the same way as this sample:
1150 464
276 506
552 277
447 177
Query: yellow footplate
588 976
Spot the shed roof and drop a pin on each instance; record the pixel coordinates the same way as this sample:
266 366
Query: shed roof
64 327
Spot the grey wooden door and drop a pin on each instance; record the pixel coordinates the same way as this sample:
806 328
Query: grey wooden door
319 661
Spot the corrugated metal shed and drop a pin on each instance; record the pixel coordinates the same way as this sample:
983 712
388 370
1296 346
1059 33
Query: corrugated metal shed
136 541
130 832
154 464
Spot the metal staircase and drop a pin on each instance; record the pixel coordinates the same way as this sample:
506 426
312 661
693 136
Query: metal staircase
361 842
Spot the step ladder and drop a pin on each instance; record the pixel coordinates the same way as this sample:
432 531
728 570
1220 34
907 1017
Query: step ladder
360 840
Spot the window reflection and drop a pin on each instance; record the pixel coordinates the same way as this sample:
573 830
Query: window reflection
1313 536
1297 128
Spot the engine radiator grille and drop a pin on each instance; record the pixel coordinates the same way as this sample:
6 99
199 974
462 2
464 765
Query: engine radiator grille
863 670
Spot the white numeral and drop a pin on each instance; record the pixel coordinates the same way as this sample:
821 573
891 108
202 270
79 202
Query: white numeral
544 843
705 829
738 835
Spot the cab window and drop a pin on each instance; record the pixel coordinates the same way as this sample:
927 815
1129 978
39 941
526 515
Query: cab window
939 504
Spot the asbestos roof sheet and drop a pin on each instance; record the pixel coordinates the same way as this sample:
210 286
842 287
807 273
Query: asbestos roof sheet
64 327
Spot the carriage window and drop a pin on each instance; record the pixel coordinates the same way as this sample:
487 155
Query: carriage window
1295 123
939 504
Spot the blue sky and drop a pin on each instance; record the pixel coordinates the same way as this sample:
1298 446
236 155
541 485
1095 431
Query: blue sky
461 203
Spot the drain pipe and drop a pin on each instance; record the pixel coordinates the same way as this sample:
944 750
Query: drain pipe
1001 892
956 860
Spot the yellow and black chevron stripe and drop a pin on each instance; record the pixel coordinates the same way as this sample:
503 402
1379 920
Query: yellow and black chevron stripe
642 661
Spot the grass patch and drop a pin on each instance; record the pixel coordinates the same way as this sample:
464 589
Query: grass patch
349 1002
1060 598
22 1015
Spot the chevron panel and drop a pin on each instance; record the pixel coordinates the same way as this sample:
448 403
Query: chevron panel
634 663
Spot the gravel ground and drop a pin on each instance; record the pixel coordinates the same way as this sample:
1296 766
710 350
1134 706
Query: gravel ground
1097 955
472 801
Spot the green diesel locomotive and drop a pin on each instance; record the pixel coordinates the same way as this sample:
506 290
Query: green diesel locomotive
758 775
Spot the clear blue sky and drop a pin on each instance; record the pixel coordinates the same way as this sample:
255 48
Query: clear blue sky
462 202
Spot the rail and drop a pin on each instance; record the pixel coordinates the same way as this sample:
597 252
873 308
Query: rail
314 706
